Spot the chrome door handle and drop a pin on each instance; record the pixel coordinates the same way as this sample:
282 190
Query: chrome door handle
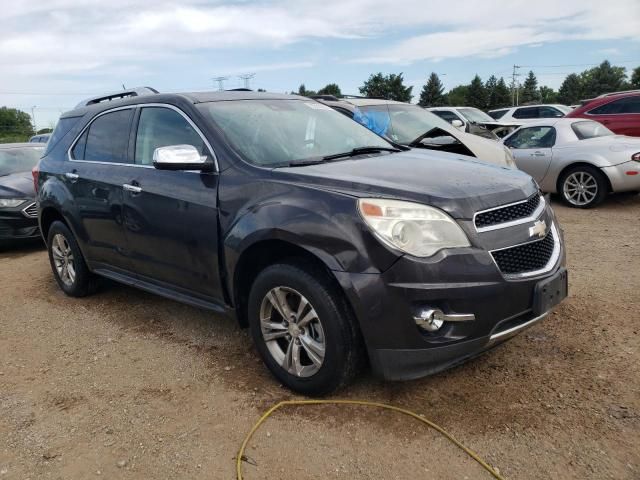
132 188
537 154
72 176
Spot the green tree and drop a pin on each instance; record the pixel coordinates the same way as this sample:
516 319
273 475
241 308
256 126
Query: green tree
570 91
330 89
304 92
635 78
501 95
261 90
604 78
432 94
476 94
529 92
547 94
15 125
490 87
457 95
390 87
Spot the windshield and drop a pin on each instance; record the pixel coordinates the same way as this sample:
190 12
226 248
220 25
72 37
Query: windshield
271 133
19 159
587 129
474 115
403 123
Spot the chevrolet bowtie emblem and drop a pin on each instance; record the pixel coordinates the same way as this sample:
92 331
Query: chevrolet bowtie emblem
539 228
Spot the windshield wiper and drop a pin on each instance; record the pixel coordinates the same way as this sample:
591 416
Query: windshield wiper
335 156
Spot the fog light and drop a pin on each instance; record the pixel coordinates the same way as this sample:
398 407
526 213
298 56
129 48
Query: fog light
432 319
429 320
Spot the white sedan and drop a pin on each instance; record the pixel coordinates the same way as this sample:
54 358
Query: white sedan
580 159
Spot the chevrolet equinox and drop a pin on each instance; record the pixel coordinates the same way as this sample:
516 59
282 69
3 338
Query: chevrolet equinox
331 244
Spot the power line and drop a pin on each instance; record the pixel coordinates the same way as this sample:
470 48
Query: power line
220 81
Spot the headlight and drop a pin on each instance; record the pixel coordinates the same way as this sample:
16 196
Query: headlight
11 202
508 155
413 228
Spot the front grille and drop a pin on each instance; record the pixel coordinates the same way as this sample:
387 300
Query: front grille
508 213
528 257
31 211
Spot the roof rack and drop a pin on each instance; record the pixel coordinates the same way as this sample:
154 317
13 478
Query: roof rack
132 92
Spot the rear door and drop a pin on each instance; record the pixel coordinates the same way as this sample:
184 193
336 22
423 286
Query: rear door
620 116
171 217
532 149
98 167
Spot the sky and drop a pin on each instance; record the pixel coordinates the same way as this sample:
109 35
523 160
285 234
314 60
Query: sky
54 53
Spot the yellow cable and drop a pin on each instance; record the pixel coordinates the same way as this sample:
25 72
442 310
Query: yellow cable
441 430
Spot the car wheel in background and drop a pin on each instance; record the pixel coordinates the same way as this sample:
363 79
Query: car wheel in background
67 263
303 329
583 187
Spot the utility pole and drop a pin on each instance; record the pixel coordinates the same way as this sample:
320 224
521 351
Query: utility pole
33 119
514 86
246 77
220 81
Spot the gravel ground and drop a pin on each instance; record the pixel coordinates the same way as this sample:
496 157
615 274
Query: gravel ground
127 385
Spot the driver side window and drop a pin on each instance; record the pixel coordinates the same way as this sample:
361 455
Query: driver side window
533 137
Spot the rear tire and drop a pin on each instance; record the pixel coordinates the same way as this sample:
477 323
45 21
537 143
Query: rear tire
67 263
316 349
583 186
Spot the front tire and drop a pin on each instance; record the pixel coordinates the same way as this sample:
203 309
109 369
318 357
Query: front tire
67 263
303 329
583 187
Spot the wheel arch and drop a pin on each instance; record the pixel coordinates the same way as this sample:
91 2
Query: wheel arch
48 215
575 164
267 252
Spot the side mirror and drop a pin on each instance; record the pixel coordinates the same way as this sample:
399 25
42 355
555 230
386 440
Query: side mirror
458 124
181 157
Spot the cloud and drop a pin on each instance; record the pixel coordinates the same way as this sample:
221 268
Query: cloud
81 35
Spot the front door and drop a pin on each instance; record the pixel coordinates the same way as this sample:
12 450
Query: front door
98 167
532 149
171 217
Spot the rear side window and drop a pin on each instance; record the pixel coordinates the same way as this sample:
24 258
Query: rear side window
106 139
526 112
498 113
161 127
62 128
549 112
623 105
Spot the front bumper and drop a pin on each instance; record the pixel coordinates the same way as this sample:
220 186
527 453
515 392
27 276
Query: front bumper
15 224
464 281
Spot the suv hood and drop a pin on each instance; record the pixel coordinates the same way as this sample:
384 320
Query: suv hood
17 185
457 184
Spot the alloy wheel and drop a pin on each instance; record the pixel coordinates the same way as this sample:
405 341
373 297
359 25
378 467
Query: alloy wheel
292 331
580 188
63 259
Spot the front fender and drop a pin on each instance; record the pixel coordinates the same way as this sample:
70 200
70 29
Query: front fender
324 223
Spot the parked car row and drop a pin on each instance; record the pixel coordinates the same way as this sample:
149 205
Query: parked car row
334 243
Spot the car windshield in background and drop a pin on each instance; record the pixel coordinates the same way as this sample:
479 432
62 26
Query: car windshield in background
271 133
16 160
409 122
587 129
474 115
498 113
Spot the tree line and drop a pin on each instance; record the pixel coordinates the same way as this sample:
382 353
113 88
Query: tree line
494 92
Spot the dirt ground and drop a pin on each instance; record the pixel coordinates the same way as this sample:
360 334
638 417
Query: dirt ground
128 385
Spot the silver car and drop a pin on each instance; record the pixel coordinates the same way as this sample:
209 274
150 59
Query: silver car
580 159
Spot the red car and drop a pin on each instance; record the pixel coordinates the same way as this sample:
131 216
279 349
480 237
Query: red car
619 111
